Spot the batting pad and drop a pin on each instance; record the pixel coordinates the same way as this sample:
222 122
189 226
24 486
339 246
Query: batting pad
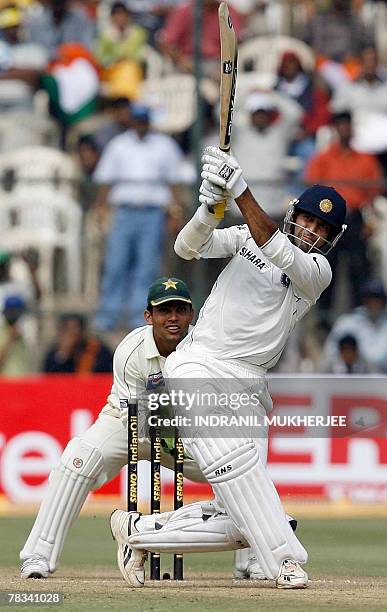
69 485
198 527
241 482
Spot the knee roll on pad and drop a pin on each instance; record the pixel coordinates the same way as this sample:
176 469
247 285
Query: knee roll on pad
236 463
82 458
210 453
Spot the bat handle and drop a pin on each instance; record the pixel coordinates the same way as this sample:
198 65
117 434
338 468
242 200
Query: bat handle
219 209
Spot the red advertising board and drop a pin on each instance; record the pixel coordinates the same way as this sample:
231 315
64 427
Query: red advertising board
40 414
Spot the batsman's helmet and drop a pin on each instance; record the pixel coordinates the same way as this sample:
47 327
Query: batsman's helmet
326 204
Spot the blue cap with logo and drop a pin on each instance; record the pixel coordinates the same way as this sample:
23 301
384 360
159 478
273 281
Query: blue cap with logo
325 203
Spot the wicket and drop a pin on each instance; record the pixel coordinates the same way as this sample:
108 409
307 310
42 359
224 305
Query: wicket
132 484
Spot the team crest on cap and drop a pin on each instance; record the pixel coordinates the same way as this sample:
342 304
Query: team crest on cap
170 284
326 206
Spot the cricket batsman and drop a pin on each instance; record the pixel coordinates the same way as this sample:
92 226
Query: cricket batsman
272 280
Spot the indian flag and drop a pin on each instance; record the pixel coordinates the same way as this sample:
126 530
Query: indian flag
72 83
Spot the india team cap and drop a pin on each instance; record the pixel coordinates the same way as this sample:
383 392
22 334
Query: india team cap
325 203
167 289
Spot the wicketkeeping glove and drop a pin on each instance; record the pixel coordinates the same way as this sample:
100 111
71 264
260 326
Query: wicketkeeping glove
223 170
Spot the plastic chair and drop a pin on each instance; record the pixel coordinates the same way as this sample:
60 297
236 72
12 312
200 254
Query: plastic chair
264 54
36 166
46 220
172 100
155 64
24 129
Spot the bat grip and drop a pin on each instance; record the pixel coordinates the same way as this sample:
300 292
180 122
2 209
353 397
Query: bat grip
219 209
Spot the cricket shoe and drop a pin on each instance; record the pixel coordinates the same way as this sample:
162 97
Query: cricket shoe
35 566
130 560
291 576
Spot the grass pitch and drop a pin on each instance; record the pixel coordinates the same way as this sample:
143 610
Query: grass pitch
347 568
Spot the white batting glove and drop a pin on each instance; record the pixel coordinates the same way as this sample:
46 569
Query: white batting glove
211 194
223 170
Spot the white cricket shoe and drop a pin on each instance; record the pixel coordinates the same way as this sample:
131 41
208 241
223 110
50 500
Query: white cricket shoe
291 576
35 566
130 560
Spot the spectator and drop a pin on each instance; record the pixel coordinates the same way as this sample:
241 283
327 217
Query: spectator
27 287
122 38
18 276
15 357
347 360
358 178
310 91
263 16
75 351
137 172
119 122
120 50
261 147
176 38
151 14
88 155
368 92
367 324
336 33
305 88
21 63
55 22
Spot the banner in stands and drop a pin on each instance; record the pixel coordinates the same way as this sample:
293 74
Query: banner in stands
40 414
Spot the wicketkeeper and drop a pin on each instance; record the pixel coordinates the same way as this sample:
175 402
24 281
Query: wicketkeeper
99 454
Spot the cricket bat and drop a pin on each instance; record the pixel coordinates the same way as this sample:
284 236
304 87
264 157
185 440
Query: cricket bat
228 76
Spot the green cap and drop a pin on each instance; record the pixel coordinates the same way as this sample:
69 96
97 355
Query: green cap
166 289
5 256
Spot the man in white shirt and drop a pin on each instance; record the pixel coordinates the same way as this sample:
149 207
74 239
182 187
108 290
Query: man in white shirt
98 455
367 324
261 147
272 280
138 173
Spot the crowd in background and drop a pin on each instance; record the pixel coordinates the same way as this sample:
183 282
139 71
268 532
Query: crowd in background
82 77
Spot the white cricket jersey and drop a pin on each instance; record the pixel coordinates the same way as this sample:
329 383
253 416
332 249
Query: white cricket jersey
137 366
258 298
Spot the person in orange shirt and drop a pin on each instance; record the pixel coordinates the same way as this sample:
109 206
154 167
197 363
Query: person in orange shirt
358 177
